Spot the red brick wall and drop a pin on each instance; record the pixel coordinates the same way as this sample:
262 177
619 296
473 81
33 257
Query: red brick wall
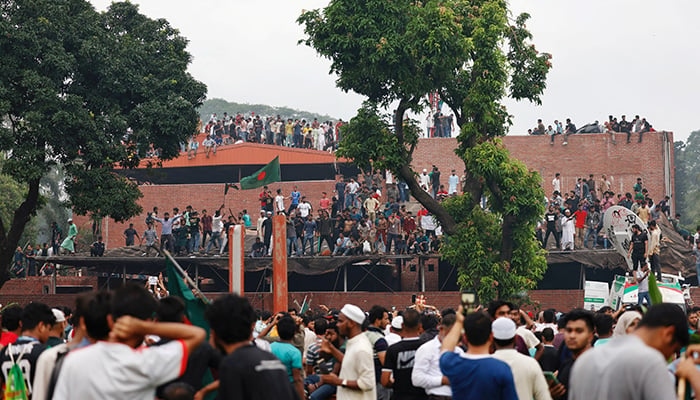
35 284
585 154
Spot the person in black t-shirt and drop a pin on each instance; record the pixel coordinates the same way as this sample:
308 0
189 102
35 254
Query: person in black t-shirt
399 360
246 372
37 320
639 247
129 235
551 219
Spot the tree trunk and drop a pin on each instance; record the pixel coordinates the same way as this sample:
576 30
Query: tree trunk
447 222
507 237
9 239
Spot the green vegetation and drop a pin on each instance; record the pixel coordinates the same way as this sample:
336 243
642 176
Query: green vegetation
473 53
687 180
88 91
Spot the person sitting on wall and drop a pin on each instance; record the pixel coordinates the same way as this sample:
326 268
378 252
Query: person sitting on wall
258 248
97 249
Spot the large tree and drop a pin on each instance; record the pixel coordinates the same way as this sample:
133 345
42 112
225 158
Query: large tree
473 54
687 178
91 91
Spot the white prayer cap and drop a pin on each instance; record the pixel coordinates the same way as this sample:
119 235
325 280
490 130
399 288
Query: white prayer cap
397 322
503 328
354 313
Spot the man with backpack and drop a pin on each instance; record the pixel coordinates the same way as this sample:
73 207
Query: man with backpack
18 360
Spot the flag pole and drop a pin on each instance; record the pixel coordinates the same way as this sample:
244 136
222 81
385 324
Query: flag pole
187 278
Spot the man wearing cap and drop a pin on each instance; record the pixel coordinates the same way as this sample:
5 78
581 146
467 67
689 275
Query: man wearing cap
69 242
356 379
395 328
424 180
527 374
56 332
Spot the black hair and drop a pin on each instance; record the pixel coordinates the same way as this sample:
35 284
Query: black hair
35 313
178 391
11 317
171 309
547 334
447 312
411 319
133 300
286 328
495 305
664 315
580 314
477 328
320 326
375 313
82 303
429 321
96 315
603 324
549 315
448 320
231 318
604 309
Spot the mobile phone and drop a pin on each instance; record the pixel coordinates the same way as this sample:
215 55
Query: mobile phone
467 299
413 299
551 378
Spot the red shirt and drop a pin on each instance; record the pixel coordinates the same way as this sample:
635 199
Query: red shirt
7 338
580 218
325 203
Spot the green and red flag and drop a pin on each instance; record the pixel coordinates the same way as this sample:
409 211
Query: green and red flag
230 186
264 176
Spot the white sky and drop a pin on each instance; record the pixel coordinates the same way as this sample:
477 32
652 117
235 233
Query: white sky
609 57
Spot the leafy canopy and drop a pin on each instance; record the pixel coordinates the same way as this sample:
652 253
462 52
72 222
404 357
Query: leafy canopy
473 53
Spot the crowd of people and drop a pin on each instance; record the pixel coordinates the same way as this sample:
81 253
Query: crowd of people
637 126
273 130
357 218
496 351
576 219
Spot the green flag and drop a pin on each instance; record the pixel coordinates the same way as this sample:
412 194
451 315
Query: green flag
229 186
654 292
264 176
194 306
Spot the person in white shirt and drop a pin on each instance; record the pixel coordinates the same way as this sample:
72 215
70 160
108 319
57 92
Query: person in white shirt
393 334
304 208
424 180
426 367
216 227
452 183
279 201
356 380
556 183
117 367
527 374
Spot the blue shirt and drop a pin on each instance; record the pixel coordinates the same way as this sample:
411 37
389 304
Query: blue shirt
295 197
289 355
246 221
309 227
478 378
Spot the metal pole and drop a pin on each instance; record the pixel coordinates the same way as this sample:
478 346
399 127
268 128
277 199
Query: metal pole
421 269
345 278
53 281
124 274
196 276
187 278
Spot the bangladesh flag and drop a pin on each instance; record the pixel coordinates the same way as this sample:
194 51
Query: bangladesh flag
264 176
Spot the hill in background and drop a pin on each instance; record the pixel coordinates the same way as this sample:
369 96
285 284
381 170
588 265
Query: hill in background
220 106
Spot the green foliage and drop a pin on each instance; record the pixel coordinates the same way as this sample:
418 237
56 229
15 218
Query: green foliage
473 54
369 140
220 106
478 244
687 180
72 82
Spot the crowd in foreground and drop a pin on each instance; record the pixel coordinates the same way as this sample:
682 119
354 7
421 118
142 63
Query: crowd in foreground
494 352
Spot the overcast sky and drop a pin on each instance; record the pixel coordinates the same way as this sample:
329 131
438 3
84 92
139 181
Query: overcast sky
609 57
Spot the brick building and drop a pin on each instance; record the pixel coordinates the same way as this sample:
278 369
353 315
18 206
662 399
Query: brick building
200 181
